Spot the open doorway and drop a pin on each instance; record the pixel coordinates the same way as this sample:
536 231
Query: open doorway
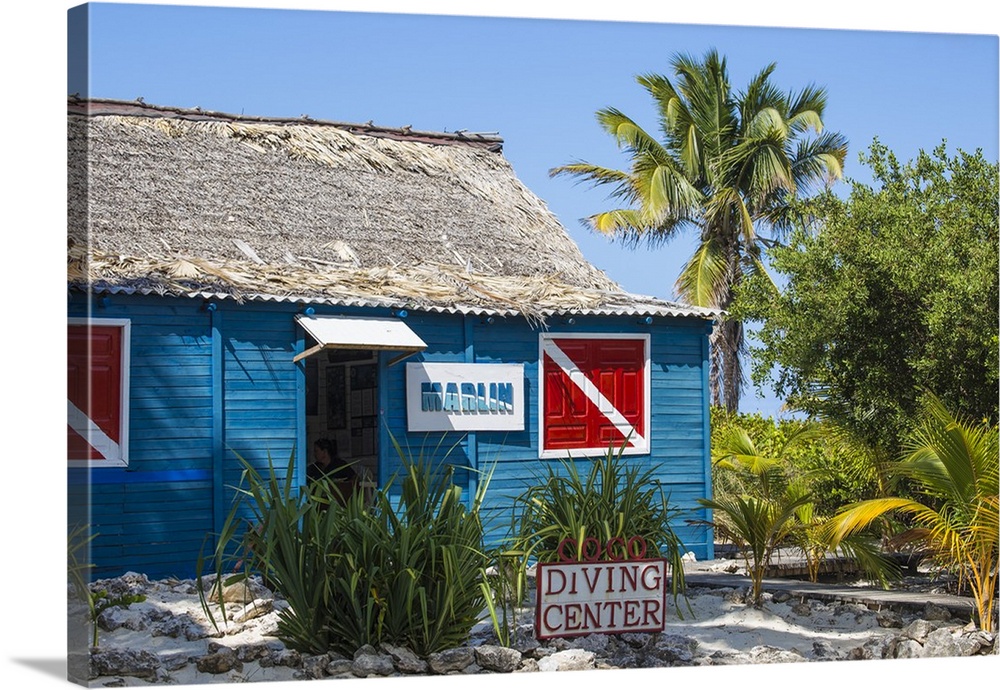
342 378
342 410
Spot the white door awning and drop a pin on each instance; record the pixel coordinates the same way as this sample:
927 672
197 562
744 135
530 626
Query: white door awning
359 333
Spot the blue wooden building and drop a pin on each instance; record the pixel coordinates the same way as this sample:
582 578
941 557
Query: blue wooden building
250 285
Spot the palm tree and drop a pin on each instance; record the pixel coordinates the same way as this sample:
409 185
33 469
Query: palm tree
954 464
757 526
728 166
754 508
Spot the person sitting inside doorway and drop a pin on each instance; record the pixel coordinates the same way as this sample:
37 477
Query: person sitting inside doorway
327 466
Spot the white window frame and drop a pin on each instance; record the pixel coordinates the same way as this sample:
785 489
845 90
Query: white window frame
637 449
126 361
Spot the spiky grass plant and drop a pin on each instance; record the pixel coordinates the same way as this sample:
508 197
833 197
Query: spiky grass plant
400 568
614 500
286 539
78 571
418 557
504 585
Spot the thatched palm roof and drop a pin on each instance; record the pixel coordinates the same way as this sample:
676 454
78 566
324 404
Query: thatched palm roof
190 203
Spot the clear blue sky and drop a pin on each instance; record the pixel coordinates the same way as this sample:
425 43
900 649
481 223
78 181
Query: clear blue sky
538 83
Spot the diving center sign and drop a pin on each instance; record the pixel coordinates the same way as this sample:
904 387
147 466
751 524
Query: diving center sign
442 396
621 595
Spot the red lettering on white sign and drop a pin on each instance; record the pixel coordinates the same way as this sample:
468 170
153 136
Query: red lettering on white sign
610 597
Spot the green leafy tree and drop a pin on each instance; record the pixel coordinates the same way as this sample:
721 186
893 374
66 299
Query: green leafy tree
727 167
889 291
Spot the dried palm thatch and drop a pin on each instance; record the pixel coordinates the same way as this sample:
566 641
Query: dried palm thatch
184 202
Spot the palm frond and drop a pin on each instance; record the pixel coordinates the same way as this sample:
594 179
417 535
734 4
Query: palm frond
734 440
703 279
859 516
727 209
618 221
952 458
819 160
756 268
665 192
806 109
595 173
867 553
668 102
767 123
760 93
630 135
705 86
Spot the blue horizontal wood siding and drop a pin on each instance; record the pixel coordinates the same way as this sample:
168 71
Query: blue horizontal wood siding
445 338
261 398
679 412
205 391
172 427
153 516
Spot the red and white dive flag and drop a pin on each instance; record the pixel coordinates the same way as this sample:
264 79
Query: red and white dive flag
595 392
95 377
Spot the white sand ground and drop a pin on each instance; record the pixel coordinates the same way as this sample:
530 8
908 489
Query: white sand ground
724 628
722 625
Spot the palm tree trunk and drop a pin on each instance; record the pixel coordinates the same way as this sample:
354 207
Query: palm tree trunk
715 370
728 344
726 374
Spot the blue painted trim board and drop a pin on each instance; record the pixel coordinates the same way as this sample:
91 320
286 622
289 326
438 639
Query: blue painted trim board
471 442
301 452
384 444
83 476
218 426
707 436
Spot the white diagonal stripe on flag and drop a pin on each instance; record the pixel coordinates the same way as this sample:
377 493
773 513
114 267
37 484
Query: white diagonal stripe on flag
590 390
95 436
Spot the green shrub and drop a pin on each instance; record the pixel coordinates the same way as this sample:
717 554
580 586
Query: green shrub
764 501
817 454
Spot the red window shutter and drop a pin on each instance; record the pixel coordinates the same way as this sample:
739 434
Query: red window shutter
571 419
94 379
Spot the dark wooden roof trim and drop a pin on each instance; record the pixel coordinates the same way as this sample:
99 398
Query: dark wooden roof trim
138 108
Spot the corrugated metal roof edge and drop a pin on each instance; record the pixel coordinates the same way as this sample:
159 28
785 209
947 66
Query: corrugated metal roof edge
652 307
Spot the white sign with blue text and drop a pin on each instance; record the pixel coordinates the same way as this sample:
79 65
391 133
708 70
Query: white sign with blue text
443 396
